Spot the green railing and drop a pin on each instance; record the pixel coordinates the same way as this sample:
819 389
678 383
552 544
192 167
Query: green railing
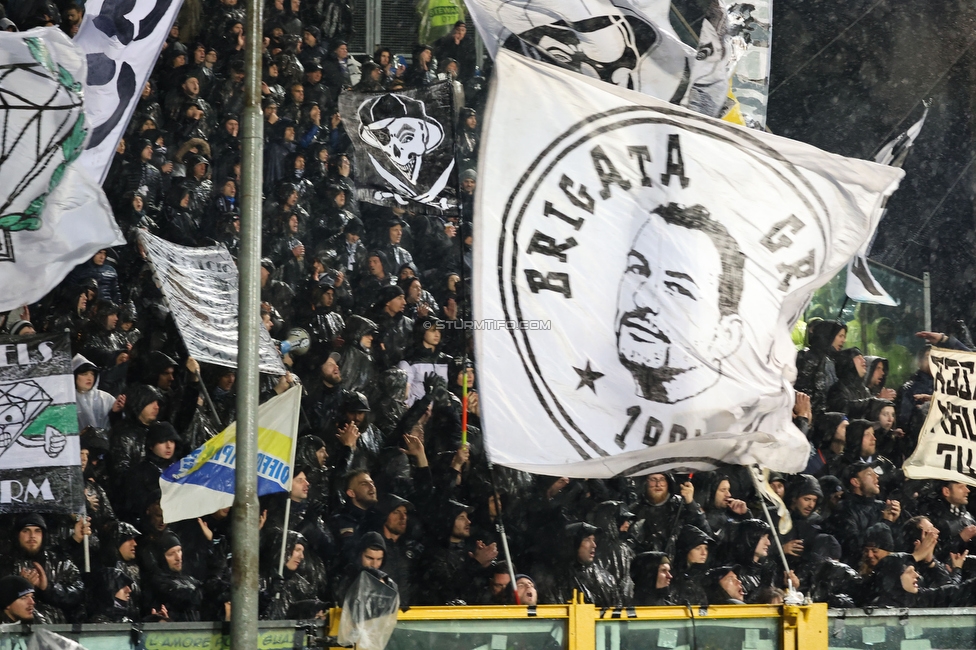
902 629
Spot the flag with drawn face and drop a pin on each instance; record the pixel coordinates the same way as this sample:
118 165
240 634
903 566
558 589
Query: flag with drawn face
638 269
627 43
403 146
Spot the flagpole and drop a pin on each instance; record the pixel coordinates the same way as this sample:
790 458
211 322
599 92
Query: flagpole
244 582
291 478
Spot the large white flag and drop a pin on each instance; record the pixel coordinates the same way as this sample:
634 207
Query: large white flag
861 284
644 265
52 215
629 43
121 41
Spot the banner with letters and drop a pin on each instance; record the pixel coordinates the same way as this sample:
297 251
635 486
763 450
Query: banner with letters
947 441
203 481
40 454
403 146
200 289
122 41
672 254
52 215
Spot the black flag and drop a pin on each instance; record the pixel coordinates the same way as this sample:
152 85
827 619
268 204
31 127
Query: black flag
403 146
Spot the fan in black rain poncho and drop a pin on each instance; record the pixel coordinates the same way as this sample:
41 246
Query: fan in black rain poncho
64 596
815 372
661 512
651 573
180 593
750 550
690 563
357 365
825 578
128 446
849 395
896 584
802 496
453 569
388 400
861 445
370 556
289 595
614 552
312 455
393 515
723 587
355 411
113 602
823 434
722 510
395 329
876 375
572 566
119 545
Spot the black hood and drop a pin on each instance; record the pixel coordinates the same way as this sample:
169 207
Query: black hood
872 363
710 487
688 538
747 536
825 426
879 535
305 452
855 434
573 536
875 405
821 335
156 364
358 327
644 567
887 577
802 485
844 363
138 397
608 516
452 512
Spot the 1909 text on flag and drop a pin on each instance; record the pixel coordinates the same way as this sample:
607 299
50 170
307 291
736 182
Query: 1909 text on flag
946 447
672 254
203 481
200 287
40 454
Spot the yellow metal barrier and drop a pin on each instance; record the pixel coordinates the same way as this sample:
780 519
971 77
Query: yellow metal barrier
591 628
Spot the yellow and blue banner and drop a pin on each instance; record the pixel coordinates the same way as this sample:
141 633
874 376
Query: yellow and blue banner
203 481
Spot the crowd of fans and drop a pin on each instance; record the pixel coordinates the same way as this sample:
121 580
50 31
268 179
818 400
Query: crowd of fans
382 481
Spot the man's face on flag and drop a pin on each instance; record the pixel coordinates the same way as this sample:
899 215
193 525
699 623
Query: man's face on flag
668 318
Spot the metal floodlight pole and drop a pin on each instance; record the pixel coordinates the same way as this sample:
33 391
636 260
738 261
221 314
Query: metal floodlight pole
244 586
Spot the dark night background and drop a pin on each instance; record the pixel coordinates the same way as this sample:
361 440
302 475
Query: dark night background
849 76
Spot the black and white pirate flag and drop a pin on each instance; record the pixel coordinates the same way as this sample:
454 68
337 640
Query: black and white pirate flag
861 284
638 270
403 146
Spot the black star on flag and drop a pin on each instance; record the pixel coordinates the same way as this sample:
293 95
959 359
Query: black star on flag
588 377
